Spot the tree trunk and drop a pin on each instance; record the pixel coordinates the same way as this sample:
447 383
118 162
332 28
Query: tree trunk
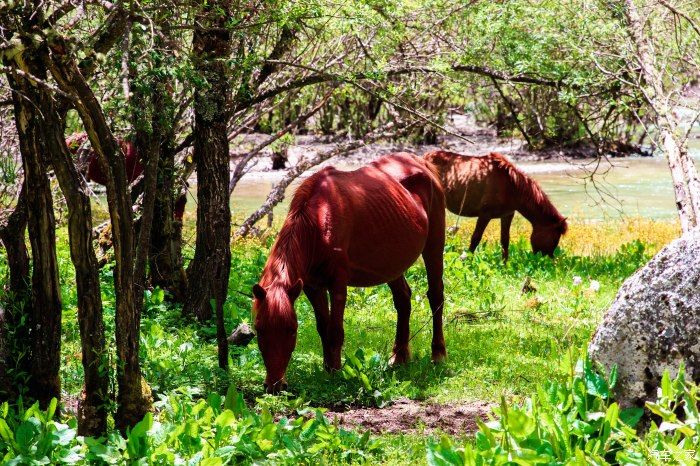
685 178
134 396
92 414
13 332
165 253
208 272
45 315
654 323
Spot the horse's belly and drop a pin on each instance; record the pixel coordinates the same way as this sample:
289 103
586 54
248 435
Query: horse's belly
384 260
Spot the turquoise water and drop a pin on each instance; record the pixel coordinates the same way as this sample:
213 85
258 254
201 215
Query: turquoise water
629 187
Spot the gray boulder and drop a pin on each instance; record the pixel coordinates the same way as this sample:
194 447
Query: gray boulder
654 323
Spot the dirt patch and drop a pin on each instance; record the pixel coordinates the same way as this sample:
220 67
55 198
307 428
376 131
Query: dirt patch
405 416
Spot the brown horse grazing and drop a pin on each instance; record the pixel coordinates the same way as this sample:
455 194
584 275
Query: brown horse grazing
358 228
491 187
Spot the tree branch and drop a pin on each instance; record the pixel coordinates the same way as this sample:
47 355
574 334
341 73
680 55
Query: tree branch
238 171
277 194
685 16
321 77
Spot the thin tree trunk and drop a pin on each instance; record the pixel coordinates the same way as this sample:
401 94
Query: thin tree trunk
134 397
165 252
685 178
45 315
92 414
13 333
208 272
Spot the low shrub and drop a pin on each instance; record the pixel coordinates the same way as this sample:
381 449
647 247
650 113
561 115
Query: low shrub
577 422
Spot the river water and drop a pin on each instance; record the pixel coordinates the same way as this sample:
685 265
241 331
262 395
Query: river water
613 189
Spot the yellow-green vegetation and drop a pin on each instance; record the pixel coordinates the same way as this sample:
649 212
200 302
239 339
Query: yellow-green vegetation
507 327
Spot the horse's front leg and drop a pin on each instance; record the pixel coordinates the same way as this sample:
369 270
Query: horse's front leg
335 332
319 301
481 224
505 234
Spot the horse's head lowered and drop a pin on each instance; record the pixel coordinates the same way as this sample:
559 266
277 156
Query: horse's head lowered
276 328
545 237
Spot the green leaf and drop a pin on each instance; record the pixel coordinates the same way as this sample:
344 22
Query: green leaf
225 419
5 432
666 389
631 416
142 427
211 462
26 432
51 409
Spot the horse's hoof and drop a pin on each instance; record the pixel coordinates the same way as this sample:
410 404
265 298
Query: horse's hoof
398 359
439 357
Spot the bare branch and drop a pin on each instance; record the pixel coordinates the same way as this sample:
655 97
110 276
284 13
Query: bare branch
277 194
685 16
321 77
240 167
38 81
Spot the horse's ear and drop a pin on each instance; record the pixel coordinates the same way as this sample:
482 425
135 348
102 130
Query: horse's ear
259 292
295 290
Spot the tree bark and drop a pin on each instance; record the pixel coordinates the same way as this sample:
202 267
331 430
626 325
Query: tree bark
685 178
165 253
208 272
92 414
134 397
13 332
45 315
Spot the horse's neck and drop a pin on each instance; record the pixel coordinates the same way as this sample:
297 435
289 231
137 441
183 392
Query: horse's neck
535 206
281 269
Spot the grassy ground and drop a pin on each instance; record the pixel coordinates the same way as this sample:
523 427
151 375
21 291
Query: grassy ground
501 340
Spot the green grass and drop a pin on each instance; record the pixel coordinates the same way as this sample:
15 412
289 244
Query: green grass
501 340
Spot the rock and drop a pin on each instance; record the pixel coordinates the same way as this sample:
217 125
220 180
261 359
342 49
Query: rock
654 323
243 335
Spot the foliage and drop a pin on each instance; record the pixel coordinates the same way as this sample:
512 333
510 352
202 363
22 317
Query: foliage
486 312
214 431
576 422
376 385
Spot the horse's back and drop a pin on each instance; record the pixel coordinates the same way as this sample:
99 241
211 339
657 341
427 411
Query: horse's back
474 185
374 217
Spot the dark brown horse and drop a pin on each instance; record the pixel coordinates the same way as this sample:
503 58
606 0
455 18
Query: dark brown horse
359 228
491 187
134 167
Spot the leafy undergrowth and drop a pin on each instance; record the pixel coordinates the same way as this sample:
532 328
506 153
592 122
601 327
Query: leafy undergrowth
207 432
572 420
506 327
577 422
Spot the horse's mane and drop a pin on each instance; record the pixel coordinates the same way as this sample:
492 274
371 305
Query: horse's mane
294 247
528 189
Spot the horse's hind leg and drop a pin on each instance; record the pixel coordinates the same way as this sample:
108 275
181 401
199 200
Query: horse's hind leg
336 333
319 301
432 257
401 293
481 224
505 234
